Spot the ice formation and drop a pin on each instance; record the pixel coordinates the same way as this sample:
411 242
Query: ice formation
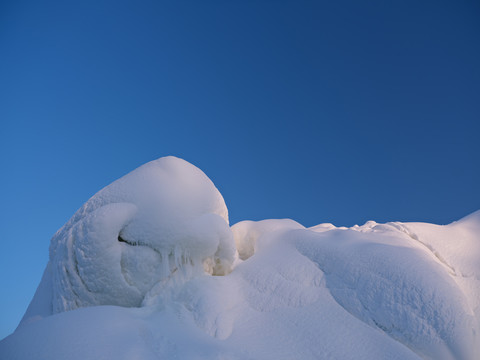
146 245
163 221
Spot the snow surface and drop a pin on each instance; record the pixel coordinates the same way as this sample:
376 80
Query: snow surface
130 277
162 222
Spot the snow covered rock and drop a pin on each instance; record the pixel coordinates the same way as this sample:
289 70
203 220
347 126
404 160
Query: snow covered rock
163 220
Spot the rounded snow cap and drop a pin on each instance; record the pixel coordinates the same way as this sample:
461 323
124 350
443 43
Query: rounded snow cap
164 220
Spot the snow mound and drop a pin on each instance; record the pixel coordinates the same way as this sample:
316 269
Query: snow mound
163 220
246 233
147 243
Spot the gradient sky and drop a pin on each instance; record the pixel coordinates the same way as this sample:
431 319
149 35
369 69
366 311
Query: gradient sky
318 111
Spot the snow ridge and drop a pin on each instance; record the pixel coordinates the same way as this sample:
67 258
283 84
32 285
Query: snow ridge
133 274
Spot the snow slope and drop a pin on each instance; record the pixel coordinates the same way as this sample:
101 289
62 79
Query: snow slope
130 277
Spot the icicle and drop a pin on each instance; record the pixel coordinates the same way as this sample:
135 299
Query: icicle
166 265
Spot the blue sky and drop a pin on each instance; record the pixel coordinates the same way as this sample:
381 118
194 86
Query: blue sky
315 111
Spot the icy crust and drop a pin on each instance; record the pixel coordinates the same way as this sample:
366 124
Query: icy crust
165 219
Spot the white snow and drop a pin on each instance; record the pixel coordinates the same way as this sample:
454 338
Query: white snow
246 233
164 220
377 291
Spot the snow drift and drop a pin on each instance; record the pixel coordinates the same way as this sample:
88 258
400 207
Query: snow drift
161 222
130 277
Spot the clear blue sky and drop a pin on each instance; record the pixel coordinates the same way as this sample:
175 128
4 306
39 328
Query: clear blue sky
319 111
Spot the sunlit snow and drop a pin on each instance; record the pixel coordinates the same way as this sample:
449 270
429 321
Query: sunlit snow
149 268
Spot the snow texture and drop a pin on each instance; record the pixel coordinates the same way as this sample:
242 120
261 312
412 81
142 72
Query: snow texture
130 277
163 221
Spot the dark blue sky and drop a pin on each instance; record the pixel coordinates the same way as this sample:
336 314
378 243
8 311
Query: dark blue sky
319 111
